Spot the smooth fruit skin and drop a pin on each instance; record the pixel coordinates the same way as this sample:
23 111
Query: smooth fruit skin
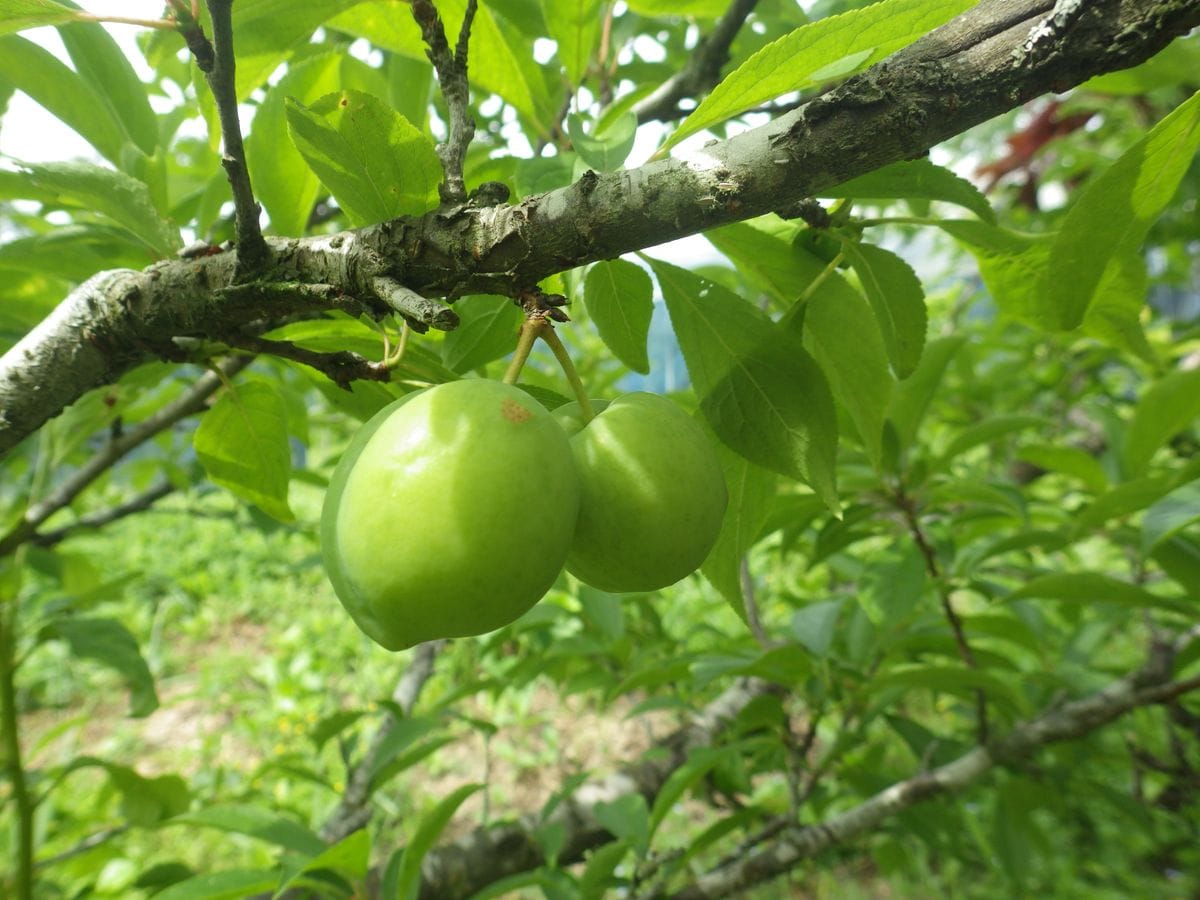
652 493
451 513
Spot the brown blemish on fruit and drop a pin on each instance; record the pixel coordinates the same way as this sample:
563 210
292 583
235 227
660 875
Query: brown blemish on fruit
514 411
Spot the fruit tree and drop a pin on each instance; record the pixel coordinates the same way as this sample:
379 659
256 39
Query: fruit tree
580 448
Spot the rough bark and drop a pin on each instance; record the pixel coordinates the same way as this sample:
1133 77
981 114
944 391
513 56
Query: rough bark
977 66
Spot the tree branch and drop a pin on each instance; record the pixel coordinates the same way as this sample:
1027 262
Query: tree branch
252 249
703 69
136 504
451 67
189 403
1147 686
956 77
354 810
486 855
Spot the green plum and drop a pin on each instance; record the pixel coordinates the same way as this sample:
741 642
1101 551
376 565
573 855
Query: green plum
652 495
451 513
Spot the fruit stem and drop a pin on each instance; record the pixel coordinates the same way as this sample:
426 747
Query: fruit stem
564 359
530 329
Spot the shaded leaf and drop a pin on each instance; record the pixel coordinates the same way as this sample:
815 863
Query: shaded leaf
233 884
429 828
1170 515
487 330
242 442
255 822
897 299
109 643
1092 587
760 390
575 26
813 625
915 179
1168 406
911 398
620 299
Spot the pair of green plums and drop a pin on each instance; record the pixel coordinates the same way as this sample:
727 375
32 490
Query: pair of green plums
454 509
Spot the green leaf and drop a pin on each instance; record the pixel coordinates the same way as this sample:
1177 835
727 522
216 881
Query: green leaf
758 387
1011 266
898 300
501 61
376 164
620 299
575 26
283 181
65 94
1107 224
17 15
349 857
101 63
627 818
122 199
700 762
1170 515
429 828
270 31
1167 407
144 801
487 330
242 443
839 45
1069 461
1179 557
1120 501
844 338
912 396
233 884
1091 587
598 878
607 150
985 432
255 822
109 643
915 179
813 625
892 584
949 679
751 490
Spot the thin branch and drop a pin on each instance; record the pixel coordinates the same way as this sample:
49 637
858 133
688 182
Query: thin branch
189 403
703 68
354 810
91 842
451 67
252 249
908 509
137 504
467 865
1067 722
750 603
340 366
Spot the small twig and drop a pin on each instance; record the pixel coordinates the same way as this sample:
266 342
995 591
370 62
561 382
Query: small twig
139 503
703 68
342 367
190 402
420 312
354 810
252 249
18 786
91 842
451 68
908 509
750 603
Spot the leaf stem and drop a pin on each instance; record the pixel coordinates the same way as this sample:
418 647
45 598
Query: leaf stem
529 332
564 359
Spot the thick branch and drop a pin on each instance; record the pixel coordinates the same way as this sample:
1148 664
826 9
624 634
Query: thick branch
1149 685
703 68
956 77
